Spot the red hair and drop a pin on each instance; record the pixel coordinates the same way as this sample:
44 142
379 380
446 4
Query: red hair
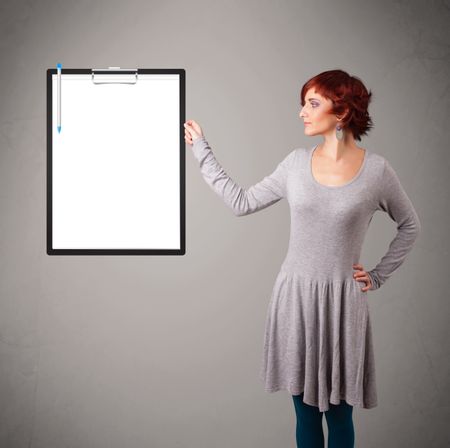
348 94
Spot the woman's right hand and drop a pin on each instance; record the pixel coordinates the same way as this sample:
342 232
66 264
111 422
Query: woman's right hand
192 131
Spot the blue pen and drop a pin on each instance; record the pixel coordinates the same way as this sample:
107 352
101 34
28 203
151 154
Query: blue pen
59 67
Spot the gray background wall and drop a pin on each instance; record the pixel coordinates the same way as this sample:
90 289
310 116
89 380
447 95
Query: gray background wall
115 351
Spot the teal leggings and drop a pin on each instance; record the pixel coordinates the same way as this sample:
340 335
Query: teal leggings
309 433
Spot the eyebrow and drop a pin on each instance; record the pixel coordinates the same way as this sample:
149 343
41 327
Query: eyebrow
309 99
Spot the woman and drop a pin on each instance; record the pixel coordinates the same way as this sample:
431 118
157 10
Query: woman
318 339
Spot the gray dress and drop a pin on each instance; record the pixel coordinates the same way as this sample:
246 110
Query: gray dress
318 337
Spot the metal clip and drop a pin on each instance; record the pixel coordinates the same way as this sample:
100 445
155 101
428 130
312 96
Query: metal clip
131 71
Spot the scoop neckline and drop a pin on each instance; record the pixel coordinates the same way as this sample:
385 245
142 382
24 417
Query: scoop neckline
355 177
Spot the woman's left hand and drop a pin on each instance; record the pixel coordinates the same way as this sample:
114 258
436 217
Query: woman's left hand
362 276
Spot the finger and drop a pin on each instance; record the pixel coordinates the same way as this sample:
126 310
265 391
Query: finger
360 278
366 280
367 287
195 127
191 131
357 266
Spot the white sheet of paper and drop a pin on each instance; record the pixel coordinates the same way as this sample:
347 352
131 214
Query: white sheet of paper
116 163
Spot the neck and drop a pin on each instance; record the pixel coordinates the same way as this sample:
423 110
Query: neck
334 148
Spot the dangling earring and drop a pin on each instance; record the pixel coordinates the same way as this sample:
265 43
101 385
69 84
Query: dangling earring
339 132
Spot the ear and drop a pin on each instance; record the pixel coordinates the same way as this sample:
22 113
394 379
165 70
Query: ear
342 117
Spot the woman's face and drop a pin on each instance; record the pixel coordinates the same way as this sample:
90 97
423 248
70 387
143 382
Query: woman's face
315 114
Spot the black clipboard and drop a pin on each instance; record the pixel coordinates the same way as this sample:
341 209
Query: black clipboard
121 133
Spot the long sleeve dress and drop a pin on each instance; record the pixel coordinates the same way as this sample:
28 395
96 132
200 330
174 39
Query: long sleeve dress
318 337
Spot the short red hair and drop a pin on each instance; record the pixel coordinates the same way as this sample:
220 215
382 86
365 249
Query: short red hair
348 93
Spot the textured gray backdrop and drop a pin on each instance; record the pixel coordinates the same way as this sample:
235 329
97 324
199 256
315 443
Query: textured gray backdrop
163 352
